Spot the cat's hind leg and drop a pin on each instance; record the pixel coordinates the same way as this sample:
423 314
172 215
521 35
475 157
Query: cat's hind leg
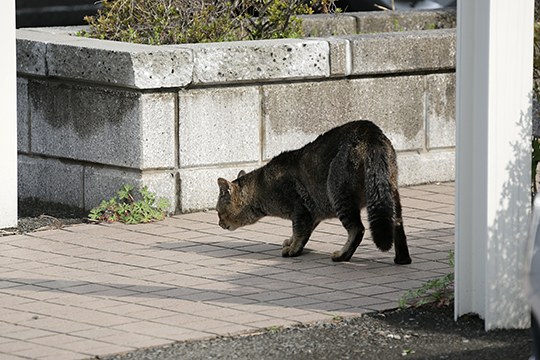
400 239
303 226
348 212
345 200
350 218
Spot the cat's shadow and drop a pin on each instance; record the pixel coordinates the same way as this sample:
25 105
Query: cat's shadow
244 249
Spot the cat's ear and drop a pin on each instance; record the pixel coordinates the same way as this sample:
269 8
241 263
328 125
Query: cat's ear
224 188
241 173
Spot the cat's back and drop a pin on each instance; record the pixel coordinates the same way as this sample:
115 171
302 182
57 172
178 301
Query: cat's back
321 151
350 133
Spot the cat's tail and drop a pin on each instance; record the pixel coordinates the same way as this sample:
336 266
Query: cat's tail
380 169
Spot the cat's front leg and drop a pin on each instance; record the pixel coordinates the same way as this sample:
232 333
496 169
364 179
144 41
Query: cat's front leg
291 247
303 226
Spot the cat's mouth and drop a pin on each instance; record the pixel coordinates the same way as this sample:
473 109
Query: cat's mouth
226 227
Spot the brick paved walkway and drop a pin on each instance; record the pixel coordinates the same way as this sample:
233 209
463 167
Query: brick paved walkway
89 290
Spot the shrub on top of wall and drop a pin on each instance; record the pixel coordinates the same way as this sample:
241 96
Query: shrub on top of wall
196 21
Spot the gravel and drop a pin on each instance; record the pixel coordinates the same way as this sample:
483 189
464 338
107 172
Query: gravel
415 333
36 215
427 332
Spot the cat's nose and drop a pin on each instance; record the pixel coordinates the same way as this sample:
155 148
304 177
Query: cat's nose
222 224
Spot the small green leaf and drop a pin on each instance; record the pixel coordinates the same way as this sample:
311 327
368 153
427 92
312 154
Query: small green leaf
129 210
439 291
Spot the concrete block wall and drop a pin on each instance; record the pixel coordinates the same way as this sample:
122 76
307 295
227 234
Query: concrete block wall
94 115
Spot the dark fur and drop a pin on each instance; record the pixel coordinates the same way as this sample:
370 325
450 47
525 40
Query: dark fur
342 171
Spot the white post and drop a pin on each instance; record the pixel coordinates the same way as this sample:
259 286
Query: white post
8 120
493 201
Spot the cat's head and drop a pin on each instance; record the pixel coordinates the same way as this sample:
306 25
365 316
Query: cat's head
233 206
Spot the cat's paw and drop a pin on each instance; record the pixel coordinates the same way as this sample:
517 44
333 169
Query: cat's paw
287 242
289 251
340 256
402 261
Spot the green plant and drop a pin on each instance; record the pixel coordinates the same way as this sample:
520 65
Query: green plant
192 21
274 329
276 19
439 291
125 208
397 26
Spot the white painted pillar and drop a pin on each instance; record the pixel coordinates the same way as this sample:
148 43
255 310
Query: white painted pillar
494 84
8 119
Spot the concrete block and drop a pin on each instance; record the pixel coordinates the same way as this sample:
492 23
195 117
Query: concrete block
165 184
340 57
242 61
60 53
403 52
132 65
317 25
295 114
426 167
199 185
387 21
441 110
103 125
50 180
157 114
219 125
103 183
23 116
31 52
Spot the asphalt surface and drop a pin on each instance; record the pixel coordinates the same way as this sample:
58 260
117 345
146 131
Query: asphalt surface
416 333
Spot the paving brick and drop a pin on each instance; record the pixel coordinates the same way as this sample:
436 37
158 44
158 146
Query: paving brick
106 349
153 329
232 329
92 290
207 325
85 346
273 323
56 340
99 332
363 302
296 301
37 351
135 340
6 356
